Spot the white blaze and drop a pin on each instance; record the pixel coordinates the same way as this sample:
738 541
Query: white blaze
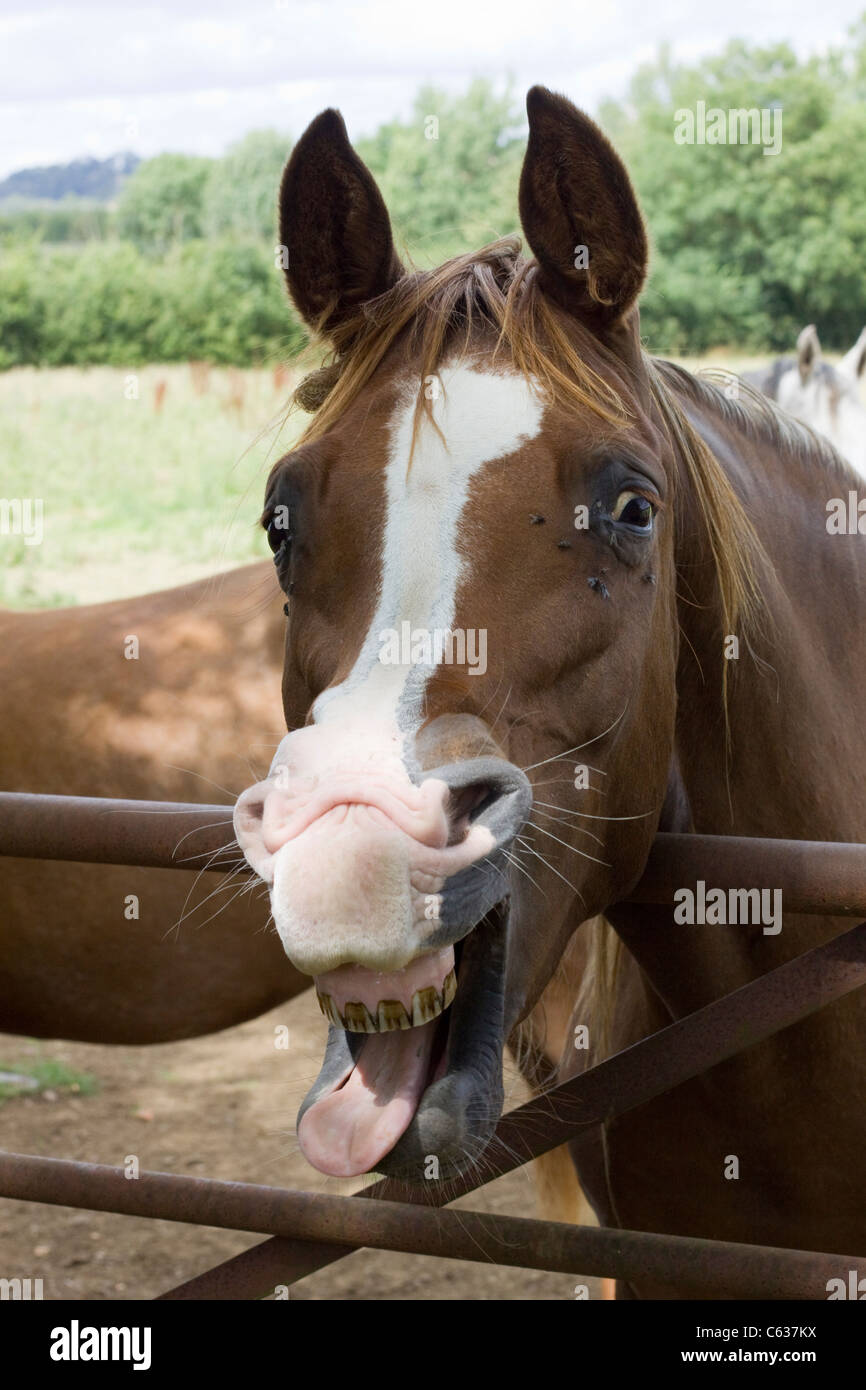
352 888
483 417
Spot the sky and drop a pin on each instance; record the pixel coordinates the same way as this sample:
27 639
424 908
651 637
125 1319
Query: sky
102 76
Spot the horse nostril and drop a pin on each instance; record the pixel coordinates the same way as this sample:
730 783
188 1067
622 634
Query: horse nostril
485 792
249 815
465 803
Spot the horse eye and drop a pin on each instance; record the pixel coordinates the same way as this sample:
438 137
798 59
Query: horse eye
278 536
633 509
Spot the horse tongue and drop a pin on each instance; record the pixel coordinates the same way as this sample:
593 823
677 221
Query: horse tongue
348 1132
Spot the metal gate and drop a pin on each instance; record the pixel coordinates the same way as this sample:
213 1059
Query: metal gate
308 1231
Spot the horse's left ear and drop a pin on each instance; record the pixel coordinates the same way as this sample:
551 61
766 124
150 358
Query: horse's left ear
580 213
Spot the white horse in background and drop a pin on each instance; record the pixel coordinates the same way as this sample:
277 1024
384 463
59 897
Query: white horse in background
825 397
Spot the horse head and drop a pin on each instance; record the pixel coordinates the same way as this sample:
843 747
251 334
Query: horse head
477 538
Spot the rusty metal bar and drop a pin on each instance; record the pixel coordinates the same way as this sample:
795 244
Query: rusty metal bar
650 1067
100 830
814 876
703 1268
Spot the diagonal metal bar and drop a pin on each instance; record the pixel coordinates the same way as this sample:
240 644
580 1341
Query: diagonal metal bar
702 1268
632 1077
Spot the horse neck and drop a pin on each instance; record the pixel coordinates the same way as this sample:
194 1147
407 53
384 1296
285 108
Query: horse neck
796 698
788 763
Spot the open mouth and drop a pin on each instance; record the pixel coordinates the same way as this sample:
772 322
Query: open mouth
414 998
391 1095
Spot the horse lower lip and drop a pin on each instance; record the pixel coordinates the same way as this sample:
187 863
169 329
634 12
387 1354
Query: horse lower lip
382 1104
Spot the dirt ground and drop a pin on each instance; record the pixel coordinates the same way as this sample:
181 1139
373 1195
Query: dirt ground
221 1106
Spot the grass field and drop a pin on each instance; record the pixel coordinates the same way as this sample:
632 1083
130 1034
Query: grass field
139 491
147 480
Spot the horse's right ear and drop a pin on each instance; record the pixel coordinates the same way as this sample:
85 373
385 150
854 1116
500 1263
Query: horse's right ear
334 227
808 352
853 364
580 213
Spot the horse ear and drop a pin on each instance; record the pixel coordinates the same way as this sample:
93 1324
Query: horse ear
334 227
580 213
853 363
808 352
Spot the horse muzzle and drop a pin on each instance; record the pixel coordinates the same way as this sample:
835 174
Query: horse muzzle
391 892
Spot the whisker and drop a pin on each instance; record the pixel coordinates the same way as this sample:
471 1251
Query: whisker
573 849
642 815
560 821
213 825
548 865
514 860
220 888
588 814
578 746
200 775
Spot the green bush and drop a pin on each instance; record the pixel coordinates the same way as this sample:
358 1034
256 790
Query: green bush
69 220
219 301
746 248
240 198
162 203
22 306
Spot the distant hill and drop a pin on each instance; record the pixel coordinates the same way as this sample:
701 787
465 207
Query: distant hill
99 179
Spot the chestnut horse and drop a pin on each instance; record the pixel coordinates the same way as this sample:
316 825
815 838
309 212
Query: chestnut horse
86 713
549 595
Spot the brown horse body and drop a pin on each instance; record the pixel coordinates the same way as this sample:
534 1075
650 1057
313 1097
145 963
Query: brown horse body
790 1111
161 726
657 583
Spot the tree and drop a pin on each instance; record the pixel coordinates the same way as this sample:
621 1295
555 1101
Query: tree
241 194
449 174
162 202
748 247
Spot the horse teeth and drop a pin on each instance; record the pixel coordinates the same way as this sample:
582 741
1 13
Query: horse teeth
326 1004
391 1016
357 1019
426 1005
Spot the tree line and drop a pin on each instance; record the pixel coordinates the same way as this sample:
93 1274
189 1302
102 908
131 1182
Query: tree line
747 244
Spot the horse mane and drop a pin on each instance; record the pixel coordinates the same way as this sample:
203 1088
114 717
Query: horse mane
757 414
439 311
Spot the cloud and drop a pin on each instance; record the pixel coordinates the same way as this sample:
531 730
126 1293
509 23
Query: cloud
197 76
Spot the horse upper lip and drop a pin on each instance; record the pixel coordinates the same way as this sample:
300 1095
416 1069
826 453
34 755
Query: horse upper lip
416 822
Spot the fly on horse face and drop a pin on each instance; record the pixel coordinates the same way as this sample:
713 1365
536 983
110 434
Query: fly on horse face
824 397
673 642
